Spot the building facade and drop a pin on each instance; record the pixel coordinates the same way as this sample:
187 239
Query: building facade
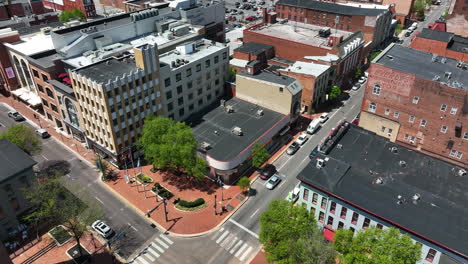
85 6
422 108
441 43
20 8
8 78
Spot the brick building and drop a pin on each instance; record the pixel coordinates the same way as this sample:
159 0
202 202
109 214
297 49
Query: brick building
20 8
457 19
8 80
374 23
442 43
419 100
85 6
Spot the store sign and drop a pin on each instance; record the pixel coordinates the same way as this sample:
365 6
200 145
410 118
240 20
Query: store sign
10 73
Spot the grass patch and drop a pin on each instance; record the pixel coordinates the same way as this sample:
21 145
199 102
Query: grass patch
142 178
60 235
191 209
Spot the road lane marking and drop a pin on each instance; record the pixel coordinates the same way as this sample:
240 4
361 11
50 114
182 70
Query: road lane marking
162 243
217 233
167 239
236 246
222 236
231 243
245 254
256 211
132 227
244 228
240 250
99 200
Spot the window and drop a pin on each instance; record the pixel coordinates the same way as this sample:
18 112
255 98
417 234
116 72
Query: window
49 93
366 223
167 82
44 102
40 88
340 225
199 91
170 107
321 216
324 202
465 136
314 198
189 72
443 129
216 59
178 77
179 89
207 63
181 112
200 102
387 111
376 89
379 226
443 107
382 129
344 211
54 108
190 85
396 114
208 98
168 95
332 207
198 67
35 73
423 122
330 221
412 139
416 100
190 96
305 195
281 89
180 101
453 111
431 255
224 55
355 217
390 131
372 107
406 137
208 75
456 154
411 119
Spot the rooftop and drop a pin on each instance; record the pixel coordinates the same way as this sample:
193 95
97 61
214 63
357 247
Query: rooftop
409 60
305 33
12 160
254 48
45 59
108 69
351 175
224 145
307 68
276 78
333 8
202 49
32 44
435 35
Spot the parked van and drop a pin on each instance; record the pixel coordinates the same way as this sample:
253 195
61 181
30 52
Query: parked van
42 133
313 126
414 25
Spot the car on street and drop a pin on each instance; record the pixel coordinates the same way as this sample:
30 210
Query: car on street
362 80
272 182
314 153
356 120
323 118
42 133
294 194
250 18
302 138
102 228
267 171
356 86
16 116
293 148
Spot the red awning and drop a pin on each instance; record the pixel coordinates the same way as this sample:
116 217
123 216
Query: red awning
329 234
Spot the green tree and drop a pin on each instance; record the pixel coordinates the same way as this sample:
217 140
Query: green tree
374 245
260 155
419 6
103 167
445 14
76 13
290 235
167 144
24 137
334 92
398 29
358 73
232 73
65 16
243 183
374 55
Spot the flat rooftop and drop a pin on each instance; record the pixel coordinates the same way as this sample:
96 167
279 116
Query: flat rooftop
275 78
224 145
348 10
203 48
253 48
304 33
409 60
108 69
454 42
32 44
46 59
440 215
12 160
307 68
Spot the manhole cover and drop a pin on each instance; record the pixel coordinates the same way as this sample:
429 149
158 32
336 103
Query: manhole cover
240 197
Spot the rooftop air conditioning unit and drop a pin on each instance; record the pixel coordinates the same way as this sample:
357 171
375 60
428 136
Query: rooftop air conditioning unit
394 150
402 163
416 197
461 172
205 145
260 112
229 109
320 163
237 131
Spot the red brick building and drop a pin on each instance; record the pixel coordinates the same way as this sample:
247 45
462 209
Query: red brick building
85 6
20 8
8 80
457 19
442 43
419 100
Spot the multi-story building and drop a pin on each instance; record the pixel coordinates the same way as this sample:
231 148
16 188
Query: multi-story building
374 23
85 6
360 179
457 19
8 80
295 41
16 174
418 99
441 43
20 8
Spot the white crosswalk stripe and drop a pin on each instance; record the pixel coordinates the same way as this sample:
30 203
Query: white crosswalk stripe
217 233
231 243
157 247
236 247
166 239
162 243
242 258
149 256
142 260
153 252
222 237
240 250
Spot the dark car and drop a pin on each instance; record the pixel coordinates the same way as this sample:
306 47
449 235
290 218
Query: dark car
267 171
314 153
293 148
16 116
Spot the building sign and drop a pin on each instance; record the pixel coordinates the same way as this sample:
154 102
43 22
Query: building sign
10 73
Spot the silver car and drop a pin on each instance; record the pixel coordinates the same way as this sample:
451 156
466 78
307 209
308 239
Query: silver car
102 228
272 182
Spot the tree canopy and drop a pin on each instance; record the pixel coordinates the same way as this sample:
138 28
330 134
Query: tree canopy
169 144
66 15
243 183
24 137
290 235
373 245
335 91
260 155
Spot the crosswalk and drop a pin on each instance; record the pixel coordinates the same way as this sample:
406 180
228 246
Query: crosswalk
232 244
154 250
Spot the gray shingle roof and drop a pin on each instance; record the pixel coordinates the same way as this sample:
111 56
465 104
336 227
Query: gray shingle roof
435 35
12 160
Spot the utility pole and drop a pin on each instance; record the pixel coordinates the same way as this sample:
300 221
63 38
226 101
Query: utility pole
216 213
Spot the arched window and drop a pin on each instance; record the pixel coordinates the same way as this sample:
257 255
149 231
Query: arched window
25 68
372 107
49 93
19 72
71 110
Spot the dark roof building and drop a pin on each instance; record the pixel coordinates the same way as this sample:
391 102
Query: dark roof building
333 8
108 69
13 160
442 43
423 196
254 48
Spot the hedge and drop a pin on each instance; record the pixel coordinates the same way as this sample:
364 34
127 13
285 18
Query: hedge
190 204
161 191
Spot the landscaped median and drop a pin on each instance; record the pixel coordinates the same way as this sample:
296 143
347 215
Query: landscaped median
191 206
59 235
162 192
143 179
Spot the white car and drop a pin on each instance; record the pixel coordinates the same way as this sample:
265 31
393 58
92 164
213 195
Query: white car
272 182
362 80
356 86
302 138
323 118
102 228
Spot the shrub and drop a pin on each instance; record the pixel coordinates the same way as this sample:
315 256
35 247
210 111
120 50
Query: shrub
153 170
60 234
191 204
144 179
161 191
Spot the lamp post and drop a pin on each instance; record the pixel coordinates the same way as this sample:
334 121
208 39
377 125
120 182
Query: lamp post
165 209
216 213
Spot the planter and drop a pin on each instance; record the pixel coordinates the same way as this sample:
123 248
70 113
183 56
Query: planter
60 235
143 179
161 192
191 209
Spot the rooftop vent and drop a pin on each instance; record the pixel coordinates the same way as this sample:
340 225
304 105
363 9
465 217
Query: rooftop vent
229 109
436 78
448 75
460 172
443 60
400 199
416 197
402 163
320 163
339 146
379 180
434 57
205 145
394 150
237 131
260 112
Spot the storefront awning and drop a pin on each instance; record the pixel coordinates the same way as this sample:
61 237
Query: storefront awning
19 92
34 100
329 234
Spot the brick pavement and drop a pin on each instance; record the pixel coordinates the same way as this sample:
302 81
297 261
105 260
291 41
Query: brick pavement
259 258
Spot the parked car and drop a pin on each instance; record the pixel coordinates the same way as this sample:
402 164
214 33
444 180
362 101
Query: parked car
293 148
356 86
16 116
302 138
42 133
102 228
294 194
314 153
362 80
267 171
250 18
356 120
323 117
272 182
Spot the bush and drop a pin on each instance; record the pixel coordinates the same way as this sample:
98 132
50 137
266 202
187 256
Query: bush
153 170
161 191
60 234
191 204
144 179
